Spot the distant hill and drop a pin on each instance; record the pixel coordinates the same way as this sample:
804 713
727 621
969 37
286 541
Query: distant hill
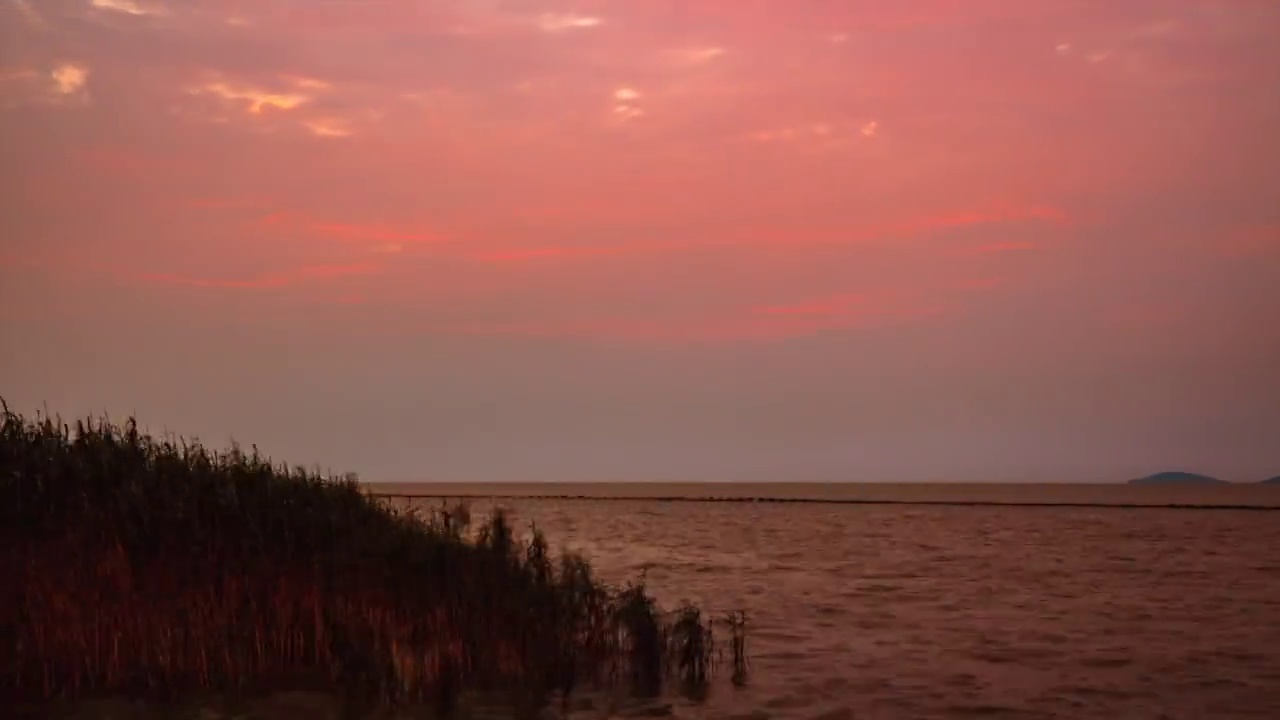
1176 478
1272 481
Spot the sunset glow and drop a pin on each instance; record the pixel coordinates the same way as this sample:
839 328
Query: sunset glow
473 239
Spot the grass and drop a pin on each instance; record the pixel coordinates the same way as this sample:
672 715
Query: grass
158 569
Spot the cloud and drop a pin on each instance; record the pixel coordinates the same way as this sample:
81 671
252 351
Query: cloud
379 237
1000 247
306 273
787 134
306 83
329 128
30 15
21 75
523 254
802 237
372 233
742 325
1157 29
833 305
696 55
625 106
69 78
255 99
891 231
1063 49
299 98
128 7
818 131
63 84
987 216
557 23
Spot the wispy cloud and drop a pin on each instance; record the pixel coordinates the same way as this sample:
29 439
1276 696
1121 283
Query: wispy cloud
524 254
306 273
30 15
306 104
381 237
831 305
373 233
65 84
829 133
999 247
558 23
789 134
254 100
128 7
797 237
330 128
1157 29
696 55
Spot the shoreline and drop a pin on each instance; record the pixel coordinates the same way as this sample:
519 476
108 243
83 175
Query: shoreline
1248 497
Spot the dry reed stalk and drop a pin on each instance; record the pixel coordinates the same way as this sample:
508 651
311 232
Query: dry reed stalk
158 568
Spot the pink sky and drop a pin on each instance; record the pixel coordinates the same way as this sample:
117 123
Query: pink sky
658 239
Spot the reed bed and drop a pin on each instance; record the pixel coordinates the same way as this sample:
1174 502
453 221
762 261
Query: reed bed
159 569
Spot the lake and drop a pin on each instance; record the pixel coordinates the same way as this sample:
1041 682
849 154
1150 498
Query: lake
922 611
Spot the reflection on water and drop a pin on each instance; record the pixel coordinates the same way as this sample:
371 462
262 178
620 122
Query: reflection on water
916 612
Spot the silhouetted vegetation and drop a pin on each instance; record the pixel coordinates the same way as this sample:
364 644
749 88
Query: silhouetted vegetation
161 569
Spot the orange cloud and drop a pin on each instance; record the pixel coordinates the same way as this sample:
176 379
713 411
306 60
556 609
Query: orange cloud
128 7
293 96
64 84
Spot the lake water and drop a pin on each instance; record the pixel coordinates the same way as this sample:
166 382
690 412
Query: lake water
888 611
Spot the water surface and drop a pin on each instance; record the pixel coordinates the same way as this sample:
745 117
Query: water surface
874 611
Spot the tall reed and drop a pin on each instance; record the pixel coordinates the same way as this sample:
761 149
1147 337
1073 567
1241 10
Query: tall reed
159 568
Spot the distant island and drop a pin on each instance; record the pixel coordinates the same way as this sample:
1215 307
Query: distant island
1272 481
1177 478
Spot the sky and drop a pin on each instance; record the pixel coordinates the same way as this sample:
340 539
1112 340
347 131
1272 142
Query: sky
684 240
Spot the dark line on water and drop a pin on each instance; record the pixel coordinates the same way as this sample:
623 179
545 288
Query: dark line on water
829 501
